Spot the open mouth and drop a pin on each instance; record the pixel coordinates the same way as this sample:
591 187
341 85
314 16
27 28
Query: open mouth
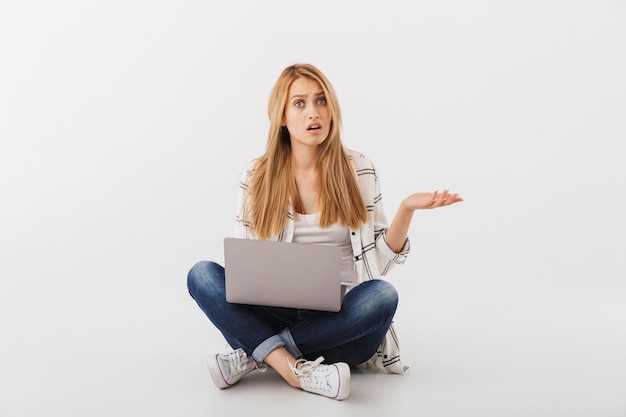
314 127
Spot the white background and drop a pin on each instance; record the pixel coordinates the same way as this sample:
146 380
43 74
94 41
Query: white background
124 126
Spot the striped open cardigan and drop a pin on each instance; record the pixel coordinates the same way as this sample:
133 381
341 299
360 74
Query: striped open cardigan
372 255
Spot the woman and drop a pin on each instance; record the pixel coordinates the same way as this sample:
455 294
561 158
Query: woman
308 188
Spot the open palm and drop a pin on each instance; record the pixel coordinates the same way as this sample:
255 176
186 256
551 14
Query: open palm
430 200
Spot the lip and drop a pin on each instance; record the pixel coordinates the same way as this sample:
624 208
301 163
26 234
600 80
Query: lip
319 125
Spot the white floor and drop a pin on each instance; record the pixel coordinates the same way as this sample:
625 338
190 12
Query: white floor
144 354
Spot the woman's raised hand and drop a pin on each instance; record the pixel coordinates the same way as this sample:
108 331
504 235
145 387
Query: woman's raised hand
419 201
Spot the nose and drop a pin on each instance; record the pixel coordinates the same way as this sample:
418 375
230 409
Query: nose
313 116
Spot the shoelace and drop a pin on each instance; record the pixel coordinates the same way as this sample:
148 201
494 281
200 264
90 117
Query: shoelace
240 363
306 368
315 377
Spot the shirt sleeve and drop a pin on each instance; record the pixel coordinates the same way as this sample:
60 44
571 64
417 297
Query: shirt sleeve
386 258
243 229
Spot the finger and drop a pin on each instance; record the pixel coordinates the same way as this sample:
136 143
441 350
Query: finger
441 198
453 198
433 199
448 199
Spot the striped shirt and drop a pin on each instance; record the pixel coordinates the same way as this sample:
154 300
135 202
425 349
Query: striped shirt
372 255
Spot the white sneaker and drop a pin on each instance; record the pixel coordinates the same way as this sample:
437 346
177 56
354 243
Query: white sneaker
329 380
228 368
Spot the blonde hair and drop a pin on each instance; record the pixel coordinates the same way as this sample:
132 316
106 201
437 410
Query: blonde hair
272 190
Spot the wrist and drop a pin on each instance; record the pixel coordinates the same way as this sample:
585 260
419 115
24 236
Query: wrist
406 208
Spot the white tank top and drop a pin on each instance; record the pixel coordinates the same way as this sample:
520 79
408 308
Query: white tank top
307 230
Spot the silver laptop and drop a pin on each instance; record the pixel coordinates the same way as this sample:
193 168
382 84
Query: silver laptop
281 274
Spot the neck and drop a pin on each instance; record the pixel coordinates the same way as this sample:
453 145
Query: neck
303 159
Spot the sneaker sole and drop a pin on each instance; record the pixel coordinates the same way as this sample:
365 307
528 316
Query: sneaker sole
216 373
344 383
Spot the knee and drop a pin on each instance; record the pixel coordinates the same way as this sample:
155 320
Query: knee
378 295
387 294
201 275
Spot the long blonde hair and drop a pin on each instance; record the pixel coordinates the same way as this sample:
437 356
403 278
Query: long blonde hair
272 190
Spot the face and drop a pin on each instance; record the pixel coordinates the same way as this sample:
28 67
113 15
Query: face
306 113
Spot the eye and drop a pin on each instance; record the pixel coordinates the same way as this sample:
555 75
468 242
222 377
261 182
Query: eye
321 101
299 103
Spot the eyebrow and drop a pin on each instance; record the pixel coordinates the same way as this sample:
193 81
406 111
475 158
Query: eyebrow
321 93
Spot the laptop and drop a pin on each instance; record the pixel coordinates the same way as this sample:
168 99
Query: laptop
281 274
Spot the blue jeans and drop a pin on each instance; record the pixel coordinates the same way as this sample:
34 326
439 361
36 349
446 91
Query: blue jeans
351 335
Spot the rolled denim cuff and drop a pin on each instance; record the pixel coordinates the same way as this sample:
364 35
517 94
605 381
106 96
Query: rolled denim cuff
290 344
260 352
